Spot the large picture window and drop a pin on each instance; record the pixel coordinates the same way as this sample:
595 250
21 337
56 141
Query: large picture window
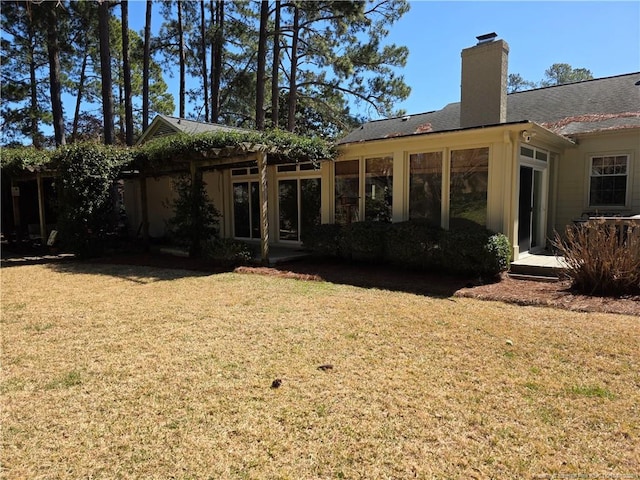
425 186
608 181
468 186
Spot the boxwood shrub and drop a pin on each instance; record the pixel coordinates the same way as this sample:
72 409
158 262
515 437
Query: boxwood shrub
415 244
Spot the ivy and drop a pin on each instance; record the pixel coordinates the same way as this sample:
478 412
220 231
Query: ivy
15 160
87 173
279 145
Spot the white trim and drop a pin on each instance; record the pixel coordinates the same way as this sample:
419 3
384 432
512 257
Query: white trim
589 165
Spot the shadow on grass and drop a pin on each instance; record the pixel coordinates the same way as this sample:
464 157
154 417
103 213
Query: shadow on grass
383 277
141 267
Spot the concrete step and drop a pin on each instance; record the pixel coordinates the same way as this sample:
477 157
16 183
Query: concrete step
535 271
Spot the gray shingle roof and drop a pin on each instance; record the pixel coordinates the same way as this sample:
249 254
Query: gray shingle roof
582 107
193 127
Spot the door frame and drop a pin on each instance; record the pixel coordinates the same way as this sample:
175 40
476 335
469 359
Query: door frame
542 168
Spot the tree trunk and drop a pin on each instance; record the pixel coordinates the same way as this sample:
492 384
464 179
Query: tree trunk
275 69
145 67
181 54
126 66
216 74
53 48
105 72
76 115
291 120
203 59
262 63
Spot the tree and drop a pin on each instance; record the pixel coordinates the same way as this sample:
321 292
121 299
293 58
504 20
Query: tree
262 65
25 96
126 67
340 54
53 49
104 17
516 83
561 73
145 67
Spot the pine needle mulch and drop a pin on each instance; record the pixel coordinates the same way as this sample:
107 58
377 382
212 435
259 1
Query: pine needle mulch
138 372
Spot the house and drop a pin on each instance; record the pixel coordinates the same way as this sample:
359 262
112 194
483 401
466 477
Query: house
525 164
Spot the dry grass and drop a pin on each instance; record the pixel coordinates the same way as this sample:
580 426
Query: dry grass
135 372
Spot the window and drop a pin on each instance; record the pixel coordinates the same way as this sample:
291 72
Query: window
608 181
425 186
347 191
246 210
378 189
468 186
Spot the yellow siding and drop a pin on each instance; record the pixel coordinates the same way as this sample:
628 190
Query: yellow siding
573 174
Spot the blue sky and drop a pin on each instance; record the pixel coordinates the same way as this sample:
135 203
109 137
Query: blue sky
601 36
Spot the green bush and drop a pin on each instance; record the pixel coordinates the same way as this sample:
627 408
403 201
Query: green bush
228 252
602 259
324 240
475 250
365 241
415 244
195 218
87 217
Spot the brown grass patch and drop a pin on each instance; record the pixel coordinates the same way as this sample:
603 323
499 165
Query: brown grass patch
135 372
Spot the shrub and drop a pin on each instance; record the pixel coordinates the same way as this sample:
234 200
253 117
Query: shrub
365 241
475 250
415 244
324 240
601 258
228 252
87 215
195 218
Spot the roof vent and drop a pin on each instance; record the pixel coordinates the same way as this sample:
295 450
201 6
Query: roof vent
486 38
405 118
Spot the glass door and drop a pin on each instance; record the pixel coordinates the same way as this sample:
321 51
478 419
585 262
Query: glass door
246 210
298 207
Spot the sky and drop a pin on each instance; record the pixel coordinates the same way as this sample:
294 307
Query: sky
602 36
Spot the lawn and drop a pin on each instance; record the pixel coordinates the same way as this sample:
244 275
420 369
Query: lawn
137 372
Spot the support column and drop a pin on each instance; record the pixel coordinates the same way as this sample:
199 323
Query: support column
264 208
41 213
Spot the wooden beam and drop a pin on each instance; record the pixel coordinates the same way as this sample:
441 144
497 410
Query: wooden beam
264 208
41 212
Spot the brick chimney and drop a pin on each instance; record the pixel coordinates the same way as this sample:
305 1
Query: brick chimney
484 82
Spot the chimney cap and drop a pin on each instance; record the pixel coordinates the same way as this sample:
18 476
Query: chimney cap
486 38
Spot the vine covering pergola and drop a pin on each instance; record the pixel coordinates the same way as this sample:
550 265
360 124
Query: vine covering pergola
180 154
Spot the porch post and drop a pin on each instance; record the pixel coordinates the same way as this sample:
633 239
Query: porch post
264 208
41 214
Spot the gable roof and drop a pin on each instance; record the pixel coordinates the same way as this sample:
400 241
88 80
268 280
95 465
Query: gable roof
163 125
569 109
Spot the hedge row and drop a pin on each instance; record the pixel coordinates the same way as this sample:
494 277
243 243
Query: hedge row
468 250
